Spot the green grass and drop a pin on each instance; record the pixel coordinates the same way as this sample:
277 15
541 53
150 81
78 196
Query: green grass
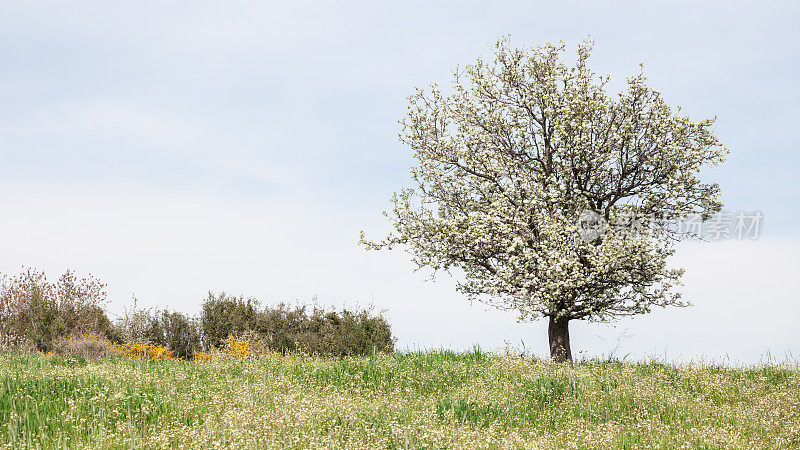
433 399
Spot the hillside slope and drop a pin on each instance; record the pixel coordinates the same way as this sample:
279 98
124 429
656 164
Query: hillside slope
437 399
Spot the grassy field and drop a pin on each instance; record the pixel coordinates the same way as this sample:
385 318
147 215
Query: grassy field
438 399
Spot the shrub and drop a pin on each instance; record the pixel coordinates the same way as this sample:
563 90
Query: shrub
237 347
39 311
142 351
284 329
334 333
173 330
346 333
93 346
257 343
281 327
224 315
179 333
200 356
13 343
135 326
90 346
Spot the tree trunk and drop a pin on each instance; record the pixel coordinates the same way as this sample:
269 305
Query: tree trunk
558 332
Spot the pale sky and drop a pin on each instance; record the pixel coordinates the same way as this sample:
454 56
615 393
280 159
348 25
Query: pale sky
173 148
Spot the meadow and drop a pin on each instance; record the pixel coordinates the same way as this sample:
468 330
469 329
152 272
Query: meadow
392 400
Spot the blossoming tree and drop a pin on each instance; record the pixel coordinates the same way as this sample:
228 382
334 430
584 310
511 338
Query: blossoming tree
521 152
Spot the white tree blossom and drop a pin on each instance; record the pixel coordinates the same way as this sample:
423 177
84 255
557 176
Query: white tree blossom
510 159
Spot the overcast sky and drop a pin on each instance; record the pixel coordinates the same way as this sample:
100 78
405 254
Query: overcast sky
173 148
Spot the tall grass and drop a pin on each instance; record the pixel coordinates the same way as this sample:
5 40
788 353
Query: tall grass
433 399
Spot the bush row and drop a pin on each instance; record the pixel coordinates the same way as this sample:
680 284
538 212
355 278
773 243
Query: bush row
40 315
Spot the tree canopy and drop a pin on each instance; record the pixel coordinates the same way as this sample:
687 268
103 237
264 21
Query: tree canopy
522 153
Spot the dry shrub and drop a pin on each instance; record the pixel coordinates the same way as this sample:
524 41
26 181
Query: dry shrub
42 312
93 346
89 346
257 343
135 324
10 342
